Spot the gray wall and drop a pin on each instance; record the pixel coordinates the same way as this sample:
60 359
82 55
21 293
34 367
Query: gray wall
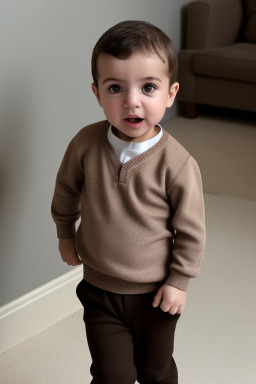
45 99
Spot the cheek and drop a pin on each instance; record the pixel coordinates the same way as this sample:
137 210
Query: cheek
111 108
156 106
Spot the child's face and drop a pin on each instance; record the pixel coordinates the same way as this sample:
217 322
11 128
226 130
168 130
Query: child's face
134 94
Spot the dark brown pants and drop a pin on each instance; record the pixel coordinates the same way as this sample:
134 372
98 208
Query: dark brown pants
128 339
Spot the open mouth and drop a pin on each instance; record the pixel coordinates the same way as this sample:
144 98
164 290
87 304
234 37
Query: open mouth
134 120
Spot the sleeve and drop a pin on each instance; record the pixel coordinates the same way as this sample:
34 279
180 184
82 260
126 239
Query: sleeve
65 206
188 222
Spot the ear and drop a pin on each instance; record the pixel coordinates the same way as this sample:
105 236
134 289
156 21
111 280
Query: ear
172 94
95 90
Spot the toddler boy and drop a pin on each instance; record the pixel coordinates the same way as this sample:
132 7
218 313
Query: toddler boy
139 195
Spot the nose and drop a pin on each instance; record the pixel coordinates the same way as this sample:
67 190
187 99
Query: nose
131 99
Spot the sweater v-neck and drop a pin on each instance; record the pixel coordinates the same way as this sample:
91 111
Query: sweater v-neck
122 170
127 150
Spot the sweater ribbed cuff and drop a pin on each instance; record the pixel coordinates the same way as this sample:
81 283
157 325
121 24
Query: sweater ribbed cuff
178 280
66 231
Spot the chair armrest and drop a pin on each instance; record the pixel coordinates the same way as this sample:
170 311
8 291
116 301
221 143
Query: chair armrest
213 23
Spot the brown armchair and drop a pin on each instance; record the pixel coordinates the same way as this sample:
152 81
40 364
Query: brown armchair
218 66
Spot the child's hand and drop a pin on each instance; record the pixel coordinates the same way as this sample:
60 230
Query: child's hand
68 252
172 299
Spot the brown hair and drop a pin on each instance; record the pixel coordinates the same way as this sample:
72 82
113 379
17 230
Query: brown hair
127 37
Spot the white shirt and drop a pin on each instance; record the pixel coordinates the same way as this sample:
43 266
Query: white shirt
127 150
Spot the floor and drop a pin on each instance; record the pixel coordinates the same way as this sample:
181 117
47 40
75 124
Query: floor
215 338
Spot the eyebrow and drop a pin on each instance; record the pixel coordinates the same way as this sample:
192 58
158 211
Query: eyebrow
114 79
151 78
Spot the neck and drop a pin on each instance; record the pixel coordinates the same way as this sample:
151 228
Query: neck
152 133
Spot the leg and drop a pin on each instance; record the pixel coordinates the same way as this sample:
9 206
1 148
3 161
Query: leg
110 341
191 110
154 343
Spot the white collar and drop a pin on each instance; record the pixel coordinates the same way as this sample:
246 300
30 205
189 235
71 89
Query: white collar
127 150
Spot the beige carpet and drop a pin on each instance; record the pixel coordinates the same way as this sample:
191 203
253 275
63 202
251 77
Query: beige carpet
215 338
225 150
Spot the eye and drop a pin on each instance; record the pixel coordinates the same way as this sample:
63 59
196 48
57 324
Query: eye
114 88
148 88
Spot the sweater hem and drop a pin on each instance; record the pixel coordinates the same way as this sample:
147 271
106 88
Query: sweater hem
116 285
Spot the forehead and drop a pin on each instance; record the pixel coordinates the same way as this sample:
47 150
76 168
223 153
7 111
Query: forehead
136 66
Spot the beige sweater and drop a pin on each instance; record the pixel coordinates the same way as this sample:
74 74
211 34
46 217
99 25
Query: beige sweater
142 222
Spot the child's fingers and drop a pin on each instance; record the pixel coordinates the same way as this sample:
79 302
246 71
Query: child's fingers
180 310
173 310
166 305
71 259
76 261
157 299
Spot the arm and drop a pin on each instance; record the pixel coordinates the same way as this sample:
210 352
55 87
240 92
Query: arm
188 222
68 252
186 198
66 203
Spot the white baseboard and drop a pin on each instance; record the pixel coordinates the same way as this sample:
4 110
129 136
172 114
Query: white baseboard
39 309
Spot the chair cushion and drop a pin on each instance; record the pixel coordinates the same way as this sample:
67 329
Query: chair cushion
236 62
250 27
